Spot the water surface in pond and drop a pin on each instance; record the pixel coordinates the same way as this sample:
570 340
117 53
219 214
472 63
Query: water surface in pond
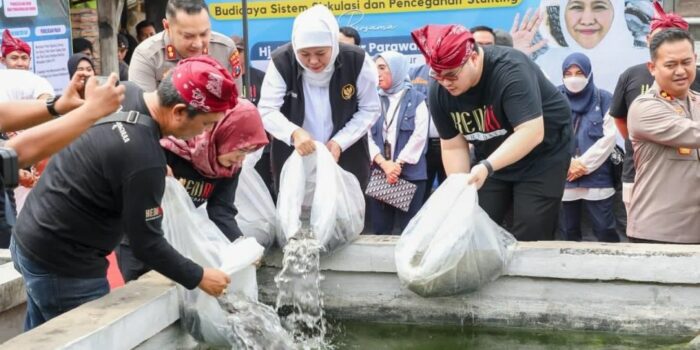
361 335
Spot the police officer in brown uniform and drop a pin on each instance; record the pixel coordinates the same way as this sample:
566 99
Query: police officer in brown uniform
664 127
187 33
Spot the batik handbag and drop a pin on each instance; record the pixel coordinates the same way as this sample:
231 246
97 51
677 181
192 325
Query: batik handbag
398 195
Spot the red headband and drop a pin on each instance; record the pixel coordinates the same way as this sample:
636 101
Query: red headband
444 46
204 84
662 20
11 44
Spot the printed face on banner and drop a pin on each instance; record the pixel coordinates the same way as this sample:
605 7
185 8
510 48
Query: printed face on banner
588 21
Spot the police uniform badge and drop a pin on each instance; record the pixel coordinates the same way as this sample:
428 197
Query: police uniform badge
170 53
666 96
347 91
235 61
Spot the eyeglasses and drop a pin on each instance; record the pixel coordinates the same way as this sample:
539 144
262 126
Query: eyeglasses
451 76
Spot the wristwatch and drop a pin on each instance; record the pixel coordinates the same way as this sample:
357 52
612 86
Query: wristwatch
51 105
488 166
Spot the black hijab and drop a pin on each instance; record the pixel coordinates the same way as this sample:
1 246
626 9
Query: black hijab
74 60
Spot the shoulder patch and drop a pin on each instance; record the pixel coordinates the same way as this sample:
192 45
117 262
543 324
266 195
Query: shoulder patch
235 61
154 213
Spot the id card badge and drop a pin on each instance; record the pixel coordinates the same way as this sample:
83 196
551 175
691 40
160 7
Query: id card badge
387 150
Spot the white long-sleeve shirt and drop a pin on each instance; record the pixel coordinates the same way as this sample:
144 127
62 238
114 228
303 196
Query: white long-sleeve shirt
592 159
413 150
318 120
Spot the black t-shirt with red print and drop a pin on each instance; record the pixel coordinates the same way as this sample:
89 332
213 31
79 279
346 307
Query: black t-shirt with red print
219 194
512 90
106 184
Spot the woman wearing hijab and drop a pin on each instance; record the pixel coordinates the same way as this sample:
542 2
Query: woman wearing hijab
596 28
308 76
82 64
589 182
207 166
398 139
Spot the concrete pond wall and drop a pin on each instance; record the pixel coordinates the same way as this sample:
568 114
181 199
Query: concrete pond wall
620 288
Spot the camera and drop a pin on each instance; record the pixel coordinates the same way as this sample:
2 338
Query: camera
102 79
9 168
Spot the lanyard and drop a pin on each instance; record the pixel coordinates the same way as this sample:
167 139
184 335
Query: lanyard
393 115
387 145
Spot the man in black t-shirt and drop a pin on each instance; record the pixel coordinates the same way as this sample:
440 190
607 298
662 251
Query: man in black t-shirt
520 125
110 181
635 81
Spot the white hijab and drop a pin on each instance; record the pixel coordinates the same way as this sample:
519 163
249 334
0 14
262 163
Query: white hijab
316 27
613 54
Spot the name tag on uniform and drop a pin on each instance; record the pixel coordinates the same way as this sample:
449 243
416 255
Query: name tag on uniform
684 151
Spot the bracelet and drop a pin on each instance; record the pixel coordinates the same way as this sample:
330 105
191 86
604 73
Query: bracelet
51 105
488 166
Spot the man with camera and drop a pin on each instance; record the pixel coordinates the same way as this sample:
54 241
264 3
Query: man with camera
39 142
110 182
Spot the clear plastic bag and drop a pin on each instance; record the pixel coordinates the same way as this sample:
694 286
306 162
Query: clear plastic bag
315 193
452 246
192 234
256 216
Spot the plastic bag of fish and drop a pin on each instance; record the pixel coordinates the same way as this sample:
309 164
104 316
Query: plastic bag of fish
451 246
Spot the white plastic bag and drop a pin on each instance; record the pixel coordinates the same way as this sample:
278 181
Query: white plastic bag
451 246
317 194
192 234
256 211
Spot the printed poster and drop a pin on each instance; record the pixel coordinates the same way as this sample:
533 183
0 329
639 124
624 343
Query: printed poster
611 32
45 26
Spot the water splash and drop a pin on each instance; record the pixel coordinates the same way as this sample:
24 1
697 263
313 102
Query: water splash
255 326
300 301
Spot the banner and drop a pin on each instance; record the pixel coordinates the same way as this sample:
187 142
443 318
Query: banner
45 26
611 32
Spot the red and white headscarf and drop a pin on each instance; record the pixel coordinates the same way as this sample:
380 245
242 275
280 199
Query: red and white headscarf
205 84
664 20
240 128
11 44
444 46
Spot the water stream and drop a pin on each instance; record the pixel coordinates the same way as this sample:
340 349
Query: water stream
299 299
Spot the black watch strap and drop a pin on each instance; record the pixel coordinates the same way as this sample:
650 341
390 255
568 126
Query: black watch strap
51 105
488 166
